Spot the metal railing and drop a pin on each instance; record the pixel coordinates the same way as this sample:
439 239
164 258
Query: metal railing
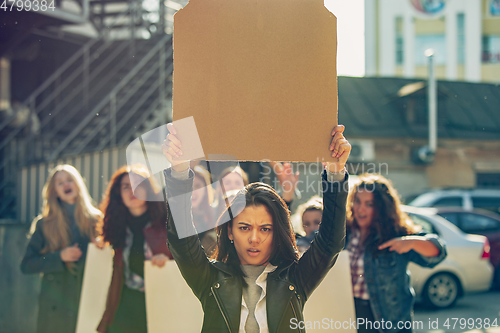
77 79
47 94
115 105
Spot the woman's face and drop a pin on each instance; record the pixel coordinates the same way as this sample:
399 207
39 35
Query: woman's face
135 206
65 187
233 181
252 233
311 220
199 191
363 208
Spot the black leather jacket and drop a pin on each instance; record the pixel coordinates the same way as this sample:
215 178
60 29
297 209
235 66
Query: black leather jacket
288 287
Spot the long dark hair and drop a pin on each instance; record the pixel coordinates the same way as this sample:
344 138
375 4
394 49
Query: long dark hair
116 214
283 249
388 220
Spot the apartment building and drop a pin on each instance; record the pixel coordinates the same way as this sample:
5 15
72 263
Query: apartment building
464 34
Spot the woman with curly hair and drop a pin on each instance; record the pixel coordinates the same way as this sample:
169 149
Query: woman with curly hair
58 248
382 240
135 228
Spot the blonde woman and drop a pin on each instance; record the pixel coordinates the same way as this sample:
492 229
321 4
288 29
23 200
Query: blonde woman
58 246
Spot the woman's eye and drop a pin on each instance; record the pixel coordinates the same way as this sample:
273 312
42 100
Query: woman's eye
244 228
266 229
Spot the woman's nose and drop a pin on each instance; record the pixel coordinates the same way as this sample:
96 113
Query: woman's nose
254 237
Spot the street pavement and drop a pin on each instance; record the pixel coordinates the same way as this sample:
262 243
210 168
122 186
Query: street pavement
474 313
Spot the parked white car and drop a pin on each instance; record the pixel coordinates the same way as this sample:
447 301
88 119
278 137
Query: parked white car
467 267
468 199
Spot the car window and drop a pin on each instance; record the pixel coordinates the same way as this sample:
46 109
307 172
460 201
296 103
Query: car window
427 227
452 217
474 223
448 202
491 203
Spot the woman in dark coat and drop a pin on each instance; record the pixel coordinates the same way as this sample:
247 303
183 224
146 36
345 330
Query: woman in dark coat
58 248
134 225
256 281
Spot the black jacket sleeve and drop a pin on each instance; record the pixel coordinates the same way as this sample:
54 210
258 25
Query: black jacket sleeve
187 251
330 239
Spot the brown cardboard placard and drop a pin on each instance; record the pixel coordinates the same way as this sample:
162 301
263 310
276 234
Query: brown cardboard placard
258 76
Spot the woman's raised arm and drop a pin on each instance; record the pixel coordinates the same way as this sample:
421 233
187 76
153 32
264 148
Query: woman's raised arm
330 240
187 251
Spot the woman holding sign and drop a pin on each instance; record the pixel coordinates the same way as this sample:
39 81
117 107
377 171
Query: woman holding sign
135 228
382 240
58 247
256 282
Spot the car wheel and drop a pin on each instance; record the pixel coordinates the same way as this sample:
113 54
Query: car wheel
441 291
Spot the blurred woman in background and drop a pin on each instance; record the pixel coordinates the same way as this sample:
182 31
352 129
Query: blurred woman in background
58 248
309 216
135 228
382 240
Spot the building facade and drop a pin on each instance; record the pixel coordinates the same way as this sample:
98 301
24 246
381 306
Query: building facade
464 34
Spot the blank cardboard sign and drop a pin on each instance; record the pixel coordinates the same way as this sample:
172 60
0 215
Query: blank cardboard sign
258 76
96 280
331 306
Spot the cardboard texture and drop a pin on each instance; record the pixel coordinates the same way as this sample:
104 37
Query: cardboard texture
258 76
333 300
96 280
171 305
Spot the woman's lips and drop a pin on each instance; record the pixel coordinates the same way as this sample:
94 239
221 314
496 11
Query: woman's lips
253 252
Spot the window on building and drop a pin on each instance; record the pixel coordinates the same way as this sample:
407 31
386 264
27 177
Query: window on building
435 42
491 49
494 7
461 38
399 41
